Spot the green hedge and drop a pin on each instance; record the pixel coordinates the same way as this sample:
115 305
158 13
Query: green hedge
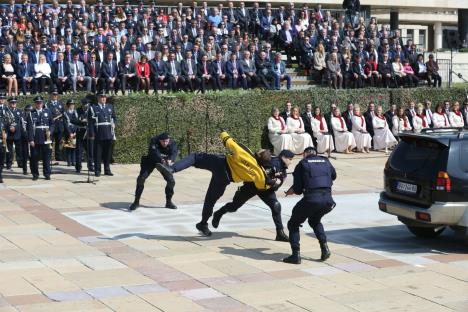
194 120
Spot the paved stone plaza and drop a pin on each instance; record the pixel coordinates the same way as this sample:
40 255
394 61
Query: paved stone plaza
71 246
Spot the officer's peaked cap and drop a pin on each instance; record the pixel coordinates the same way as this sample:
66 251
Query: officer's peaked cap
164 136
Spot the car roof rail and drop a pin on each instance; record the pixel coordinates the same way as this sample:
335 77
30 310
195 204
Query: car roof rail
443 130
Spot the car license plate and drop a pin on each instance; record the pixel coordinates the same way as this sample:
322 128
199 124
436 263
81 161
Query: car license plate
406 188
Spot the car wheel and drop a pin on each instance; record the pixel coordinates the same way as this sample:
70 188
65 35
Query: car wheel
426 232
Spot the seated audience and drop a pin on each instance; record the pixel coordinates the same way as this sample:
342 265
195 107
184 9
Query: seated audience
440 118
320 131
456 116
278 132
420 120
383 137
362 137
344 140
300 139
401 122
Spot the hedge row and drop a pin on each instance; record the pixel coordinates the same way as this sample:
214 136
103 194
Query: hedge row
194 120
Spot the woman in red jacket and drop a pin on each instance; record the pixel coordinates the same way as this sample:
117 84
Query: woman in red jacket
371 71
143 74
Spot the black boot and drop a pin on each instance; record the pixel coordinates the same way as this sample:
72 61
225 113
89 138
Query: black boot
281 236
170 204
325 251
1 179
134 205
203 228
217 217
295 258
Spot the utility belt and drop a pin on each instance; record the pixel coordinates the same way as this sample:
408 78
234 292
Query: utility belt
42 127
318 191
103 124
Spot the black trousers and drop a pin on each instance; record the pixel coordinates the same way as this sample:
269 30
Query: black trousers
246 192
24 154
58 135
102 155
220 179
41 151
81 147
2 156
146 168
311 207
17 149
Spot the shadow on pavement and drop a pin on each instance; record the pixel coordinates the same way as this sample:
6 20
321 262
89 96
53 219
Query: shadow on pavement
124 206
193 239
397 239
253 253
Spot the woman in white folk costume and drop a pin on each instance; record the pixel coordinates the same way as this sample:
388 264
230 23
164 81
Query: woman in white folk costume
362 137
400 122
456 116
440 118
278 132
383 137
420 121
320 130
300 139
344 140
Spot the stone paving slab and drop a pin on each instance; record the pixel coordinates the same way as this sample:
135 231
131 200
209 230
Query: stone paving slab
67 246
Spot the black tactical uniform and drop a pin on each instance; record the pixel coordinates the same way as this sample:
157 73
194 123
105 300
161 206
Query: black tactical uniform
313 177
161 150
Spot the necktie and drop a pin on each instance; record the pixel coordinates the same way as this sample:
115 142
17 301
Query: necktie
60 70
85 57
93 71
110 69
204 68
189 64
174 73
26 70
76 69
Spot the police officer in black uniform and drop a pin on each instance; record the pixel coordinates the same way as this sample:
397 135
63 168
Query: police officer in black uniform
162 150
276 170
56 108
40 127
100 119
313 177
14 134
71 119
82 142
3 104
24 138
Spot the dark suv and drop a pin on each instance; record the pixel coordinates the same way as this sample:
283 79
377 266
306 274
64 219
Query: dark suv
426 182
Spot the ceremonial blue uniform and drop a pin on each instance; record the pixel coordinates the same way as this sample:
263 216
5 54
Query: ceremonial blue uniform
313 177
14 138
82 141
38 123
71 119
57 109
100 118
2 148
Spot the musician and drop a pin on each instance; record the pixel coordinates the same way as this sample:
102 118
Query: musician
161 150
14 133
56 108
101 121
3 130
24 138
82 142
71 119
40 128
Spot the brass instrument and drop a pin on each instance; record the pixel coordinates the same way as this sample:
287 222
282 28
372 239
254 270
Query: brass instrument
48 139
4 140
113 129
70 142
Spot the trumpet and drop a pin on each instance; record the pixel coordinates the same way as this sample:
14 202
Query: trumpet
48 139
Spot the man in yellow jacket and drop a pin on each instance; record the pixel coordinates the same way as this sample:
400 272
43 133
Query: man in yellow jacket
238 165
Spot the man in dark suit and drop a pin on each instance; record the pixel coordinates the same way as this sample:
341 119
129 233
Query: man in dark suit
60 73
25 74
218 71
249 71
157 72
385 69
234 73
93 70
110 73
428 112
128 74
328 117
173 74
411 112
359 76
307 118
287 111
348 75
190 71
242 17
368 116
348 116
287 40
204 73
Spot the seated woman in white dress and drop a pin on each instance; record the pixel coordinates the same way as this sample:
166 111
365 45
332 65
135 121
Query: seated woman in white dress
383 137
278 132
300 139
420 120
344 140
321 134
400 122
456 116
440 118
362 137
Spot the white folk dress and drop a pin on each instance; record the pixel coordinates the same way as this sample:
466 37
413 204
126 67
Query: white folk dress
324 141
383 137
400 125
343 138
280 141
300 140
456 119
440 120
363 139
420 123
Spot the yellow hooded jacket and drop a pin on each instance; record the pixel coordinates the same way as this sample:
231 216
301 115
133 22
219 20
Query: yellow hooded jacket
242 163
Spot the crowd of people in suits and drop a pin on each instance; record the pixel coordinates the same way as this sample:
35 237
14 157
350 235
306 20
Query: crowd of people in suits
354 130
192 47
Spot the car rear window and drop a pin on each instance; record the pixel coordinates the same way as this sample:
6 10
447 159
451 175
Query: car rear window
464 156
419 156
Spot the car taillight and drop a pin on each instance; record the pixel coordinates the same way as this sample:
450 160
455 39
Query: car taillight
443 182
